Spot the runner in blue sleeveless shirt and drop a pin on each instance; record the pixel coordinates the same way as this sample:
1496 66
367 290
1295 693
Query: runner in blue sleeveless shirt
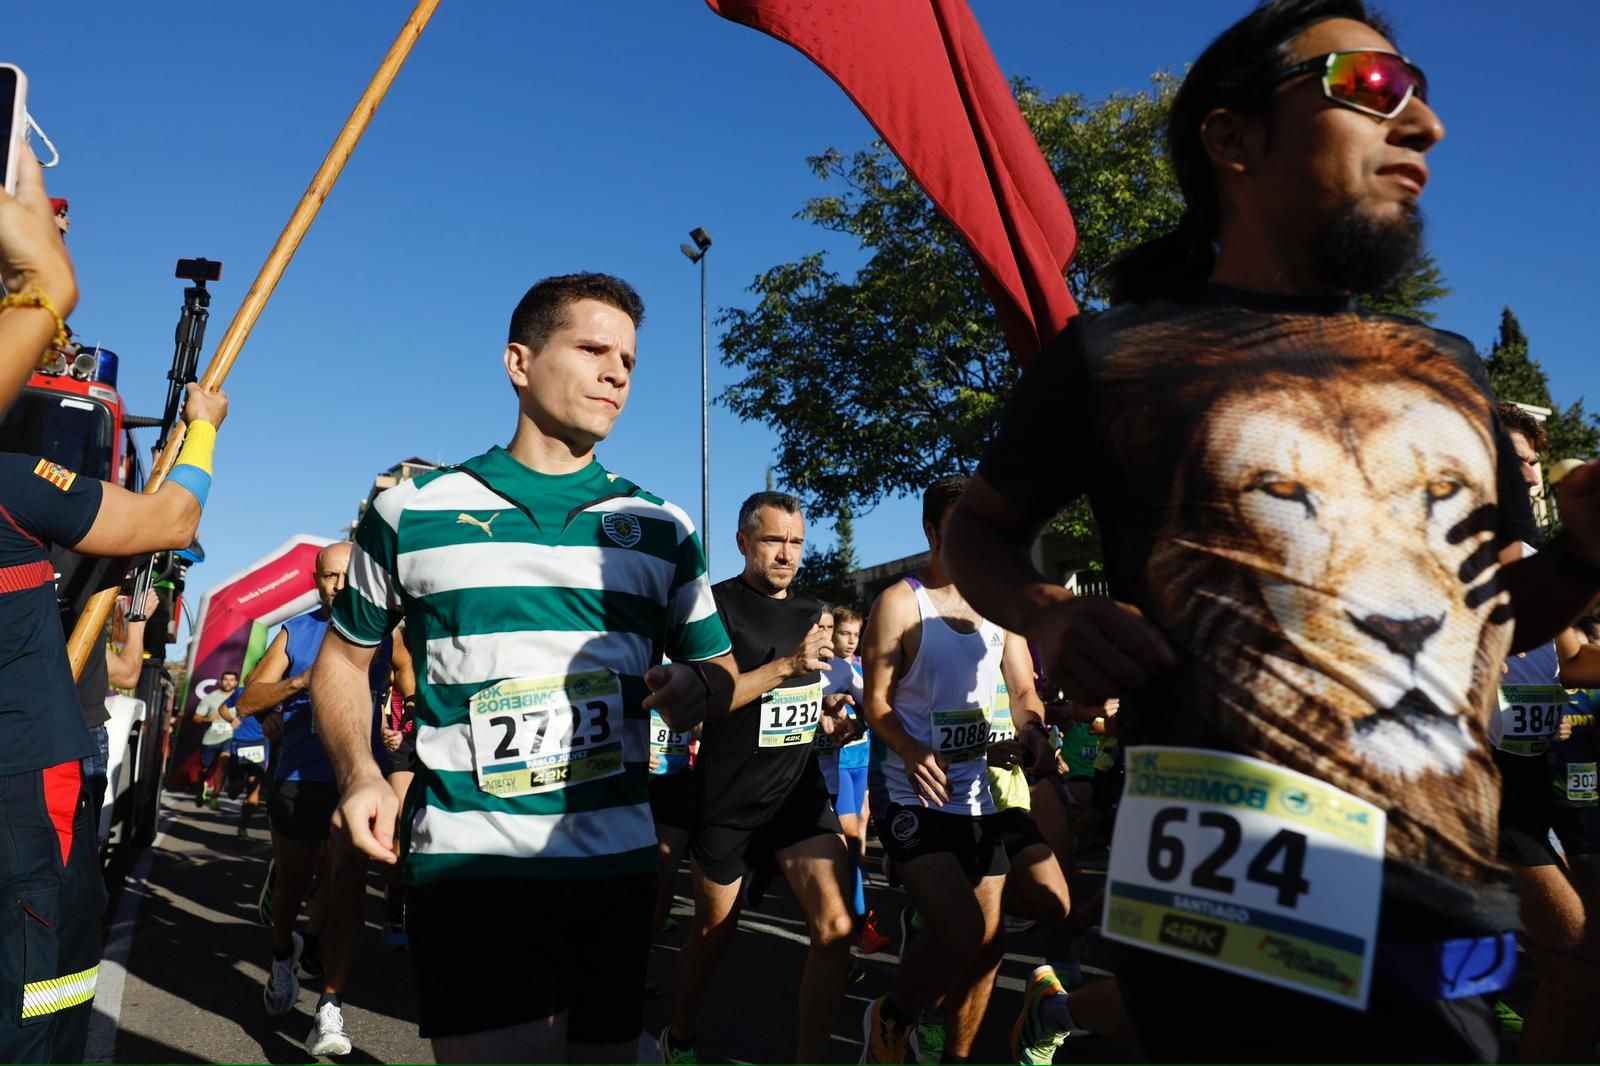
300 807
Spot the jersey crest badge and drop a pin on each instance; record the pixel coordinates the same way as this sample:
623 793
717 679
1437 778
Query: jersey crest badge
56 474
623 529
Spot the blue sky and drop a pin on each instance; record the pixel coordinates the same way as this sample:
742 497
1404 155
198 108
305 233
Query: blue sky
530 138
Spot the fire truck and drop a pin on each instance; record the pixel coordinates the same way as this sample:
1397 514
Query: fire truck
71 412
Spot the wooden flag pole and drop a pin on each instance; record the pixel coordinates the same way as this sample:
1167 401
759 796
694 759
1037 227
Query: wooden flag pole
86 634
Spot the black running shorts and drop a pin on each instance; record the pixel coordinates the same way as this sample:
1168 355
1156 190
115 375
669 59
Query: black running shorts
1018 831
302 810
1174 1006
1527 810
404 758
1578 829
672 799
727 853
493 952
910 833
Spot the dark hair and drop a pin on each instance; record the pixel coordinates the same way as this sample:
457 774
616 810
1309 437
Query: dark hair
750 509
941 496
228 673
1236 71
543 308
1520 421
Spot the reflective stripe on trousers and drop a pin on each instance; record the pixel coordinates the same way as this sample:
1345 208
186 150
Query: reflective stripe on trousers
47 997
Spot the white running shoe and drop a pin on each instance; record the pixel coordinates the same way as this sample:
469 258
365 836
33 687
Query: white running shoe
327 1032
283 987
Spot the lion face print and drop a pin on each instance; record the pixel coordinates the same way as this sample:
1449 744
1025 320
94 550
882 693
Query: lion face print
1325 561
1345 508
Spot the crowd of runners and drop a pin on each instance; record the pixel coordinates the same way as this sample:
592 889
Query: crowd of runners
1320 732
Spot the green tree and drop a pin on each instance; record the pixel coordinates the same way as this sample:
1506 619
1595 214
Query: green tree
907 352
1413 293
826 573
1517 376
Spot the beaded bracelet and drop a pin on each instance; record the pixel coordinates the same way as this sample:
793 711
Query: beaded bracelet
34 298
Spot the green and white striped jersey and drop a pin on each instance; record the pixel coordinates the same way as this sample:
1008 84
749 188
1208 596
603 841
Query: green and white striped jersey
533 606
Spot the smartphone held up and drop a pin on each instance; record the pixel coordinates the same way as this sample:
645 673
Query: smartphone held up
13 121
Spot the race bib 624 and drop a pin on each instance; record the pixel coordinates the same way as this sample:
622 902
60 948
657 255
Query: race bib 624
1236 864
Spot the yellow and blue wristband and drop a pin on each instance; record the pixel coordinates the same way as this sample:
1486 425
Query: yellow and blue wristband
193 470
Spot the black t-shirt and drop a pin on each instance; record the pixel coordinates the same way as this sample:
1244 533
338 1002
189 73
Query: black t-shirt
94 685
1305 498
742 783
77 578
41 504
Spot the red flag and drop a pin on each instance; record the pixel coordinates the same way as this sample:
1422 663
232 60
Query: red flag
923 75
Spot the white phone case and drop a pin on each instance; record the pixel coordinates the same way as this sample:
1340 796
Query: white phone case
16 144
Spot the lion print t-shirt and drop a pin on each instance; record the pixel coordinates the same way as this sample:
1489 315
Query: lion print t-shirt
1307 499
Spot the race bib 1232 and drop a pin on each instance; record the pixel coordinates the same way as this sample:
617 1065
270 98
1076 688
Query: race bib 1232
789 716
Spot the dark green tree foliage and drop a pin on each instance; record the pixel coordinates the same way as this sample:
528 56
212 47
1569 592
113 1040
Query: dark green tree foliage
844 532
877 384
826 574
1412 294
1516 376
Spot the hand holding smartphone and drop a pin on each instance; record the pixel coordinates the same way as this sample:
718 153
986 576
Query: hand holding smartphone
34 264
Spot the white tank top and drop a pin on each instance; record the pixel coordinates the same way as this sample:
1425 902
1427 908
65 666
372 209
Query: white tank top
944 701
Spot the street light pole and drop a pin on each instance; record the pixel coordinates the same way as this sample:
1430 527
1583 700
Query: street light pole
697 254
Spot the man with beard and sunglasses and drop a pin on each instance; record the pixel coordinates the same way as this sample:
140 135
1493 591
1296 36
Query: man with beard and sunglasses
1309 512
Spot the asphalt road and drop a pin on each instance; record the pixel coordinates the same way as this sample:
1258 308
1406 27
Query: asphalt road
187 959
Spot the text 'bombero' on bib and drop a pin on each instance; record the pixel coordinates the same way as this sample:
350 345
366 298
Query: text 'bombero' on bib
540 734
1236 864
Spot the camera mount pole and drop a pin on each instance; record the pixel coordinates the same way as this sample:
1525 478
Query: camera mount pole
191 337
86 634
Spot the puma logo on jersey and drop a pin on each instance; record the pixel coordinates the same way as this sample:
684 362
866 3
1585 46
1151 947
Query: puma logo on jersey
467 520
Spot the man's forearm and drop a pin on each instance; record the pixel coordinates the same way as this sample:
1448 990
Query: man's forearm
995 572
25 334
342 704
1546 597
264 695
1025 714
123 667
886 726
748 687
